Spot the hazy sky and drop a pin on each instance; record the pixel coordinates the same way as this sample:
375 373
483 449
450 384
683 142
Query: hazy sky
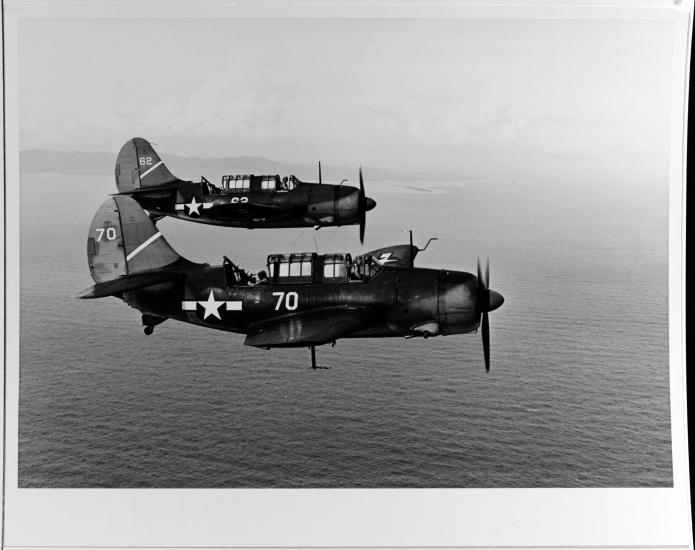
470 96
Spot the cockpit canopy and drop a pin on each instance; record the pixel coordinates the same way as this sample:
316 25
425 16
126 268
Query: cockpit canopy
298 268
310 267
231 184
246 183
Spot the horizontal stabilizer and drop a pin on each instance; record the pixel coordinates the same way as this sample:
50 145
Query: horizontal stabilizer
148 190
127 283
309 328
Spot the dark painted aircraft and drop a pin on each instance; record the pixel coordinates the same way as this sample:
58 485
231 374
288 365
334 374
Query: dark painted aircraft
301 300
242 200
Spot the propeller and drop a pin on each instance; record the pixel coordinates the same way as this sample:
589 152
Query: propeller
488 300
362 207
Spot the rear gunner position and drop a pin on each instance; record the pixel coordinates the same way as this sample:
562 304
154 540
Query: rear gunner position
248 201
298 300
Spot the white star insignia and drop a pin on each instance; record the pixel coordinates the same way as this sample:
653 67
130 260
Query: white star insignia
211 306
193 207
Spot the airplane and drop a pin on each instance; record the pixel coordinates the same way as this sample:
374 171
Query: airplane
248 201
302 300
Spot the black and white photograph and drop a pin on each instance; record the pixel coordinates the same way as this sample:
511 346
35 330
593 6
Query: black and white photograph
345 261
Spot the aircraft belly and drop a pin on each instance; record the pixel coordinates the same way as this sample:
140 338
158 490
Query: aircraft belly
246 222
381 331
210 221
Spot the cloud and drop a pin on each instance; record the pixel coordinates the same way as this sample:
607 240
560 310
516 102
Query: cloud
96 127
586 139
485 125
225 103
458 124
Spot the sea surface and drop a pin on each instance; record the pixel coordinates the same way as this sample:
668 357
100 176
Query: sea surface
578 393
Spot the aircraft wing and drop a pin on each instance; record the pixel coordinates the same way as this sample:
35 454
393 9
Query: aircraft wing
233 210
309 328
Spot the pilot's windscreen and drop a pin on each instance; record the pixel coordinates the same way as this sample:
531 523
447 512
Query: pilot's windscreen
229 272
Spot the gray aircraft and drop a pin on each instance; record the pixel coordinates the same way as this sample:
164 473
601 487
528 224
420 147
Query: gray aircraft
299 300
242 200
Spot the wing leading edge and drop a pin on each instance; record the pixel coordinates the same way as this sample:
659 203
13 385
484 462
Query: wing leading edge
311 328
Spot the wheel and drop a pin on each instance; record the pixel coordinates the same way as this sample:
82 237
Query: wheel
426 334
149 330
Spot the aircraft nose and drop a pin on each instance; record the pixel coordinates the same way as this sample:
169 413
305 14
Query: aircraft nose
496 300
370 203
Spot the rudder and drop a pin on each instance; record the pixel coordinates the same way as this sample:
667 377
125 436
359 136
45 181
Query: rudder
138 166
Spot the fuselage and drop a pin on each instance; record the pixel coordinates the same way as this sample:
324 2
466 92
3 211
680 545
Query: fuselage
402 301
304 205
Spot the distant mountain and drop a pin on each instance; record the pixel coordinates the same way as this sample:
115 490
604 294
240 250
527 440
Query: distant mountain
85 163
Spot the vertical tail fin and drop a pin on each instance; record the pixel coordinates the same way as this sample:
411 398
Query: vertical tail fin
123 241
138 166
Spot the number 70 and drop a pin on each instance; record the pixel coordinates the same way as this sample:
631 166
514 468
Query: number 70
291 300
109 231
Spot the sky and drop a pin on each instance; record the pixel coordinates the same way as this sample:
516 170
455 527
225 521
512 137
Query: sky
475 97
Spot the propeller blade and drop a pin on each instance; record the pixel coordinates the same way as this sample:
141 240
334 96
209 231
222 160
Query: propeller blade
362 206
363 222
486 341
487 273
483 307
483 292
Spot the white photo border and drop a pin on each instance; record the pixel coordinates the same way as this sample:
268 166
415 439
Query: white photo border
345 517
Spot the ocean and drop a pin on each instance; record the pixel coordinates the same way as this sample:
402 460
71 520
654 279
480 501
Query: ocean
577 396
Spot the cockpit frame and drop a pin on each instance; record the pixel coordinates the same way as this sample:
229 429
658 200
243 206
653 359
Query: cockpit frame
310 267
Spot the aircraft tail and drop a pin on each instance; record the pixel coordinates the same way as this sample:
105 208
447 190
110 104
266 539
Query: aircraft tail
138 166
126 251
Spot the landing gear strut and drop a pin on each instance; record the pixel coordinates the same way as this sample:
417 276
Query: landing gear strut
313 359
